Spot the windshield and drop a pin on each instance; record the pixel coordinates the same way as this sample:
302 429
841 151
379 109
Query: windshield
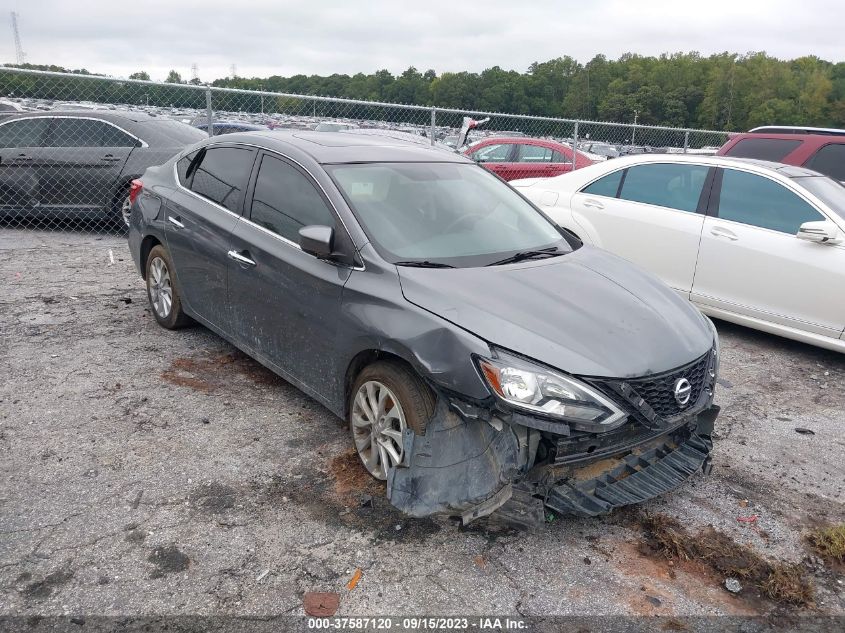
443 213
827 190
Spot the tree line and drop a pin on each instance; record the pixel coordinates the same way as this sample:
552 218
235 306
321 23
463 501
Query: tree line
726 91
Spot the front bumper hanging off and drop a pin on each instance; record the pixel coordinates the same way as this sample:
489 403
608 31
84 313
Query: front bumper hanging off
638 478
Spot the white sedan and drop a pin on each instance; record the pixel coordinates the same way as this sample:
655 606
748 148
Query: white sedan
752 242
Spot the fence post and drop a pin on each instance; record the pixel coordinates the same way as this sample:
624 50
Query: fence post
686 141
208 113
433 124
575 147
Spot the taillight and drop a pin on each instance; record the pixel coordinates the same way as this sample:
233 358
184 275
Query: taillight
134 189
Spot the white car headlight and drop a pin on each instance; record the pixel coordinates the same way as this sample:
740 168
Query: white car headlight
535 388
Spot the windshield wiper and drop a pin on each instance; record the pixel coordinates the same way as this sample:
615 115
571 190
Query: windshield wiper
523 255
423 264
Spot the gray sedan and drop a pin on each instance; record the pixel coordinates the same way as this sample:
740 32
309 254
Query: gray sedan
480 355
77 164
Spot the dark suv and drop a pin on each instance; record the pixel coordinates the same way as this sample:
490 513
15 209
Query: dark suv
819 149
79 164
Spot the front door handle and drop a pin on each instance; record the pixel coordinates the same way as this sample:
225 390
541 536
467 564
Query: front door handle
242 258
175 221
22 158
109 158
720 231
593 204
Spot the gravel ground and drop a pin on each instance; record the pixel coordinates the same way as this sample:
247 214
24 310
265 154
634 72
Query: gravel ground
155 472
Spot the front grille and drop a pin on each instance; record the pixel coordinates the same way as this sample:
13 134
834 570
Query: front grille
658 391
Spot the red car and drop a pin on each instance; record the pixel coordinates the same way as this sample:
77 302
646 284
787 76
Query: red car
819 149
520 157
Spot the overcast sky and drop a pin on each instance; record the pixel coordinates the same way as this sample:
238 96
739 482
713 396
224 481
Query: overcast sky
284 37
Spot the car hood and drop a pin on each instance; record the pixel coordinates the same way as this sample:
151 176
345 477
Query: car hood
588 312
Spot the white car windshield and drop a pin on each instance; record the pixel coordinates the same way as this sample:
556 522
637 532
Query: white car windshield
831 192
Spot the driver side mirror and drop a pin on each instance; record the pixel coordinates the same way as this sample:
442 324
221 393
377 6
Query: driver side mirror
317 240
823 232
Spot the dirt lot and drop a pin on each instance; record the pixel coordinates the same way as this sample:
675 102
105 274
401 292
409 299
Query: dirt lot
152 472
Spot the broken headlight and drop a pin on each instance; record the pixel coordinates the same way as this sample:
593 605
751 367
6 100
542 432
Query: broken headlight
535 388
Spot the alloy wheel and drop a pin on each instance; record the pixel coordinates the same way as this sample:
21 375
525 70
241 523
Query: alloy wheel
378 424
126 210
161 288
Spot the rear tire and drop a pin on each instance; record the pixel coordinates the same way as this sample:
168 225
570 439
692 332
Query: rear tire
387 397
163 291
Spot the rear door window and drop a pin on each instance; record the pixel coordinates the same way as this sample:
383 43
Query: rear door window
221 175
285 200
24 133
774 149
72 132
534 154
676 186
830 161
759 201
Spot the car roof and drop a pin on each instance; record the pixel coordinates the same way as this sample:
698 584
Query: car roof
137 117
794 130
344 147
789 171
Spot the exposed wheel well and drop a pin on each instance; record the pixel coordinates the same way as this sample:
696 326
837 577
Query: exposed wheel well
357 364
147 245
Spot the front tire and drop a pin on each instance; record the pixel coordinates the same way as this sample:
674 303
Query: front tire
162 291
387 398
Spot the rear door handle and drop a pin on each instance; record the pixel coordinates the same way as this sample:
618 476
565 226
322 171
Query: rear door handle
720 231
110 158
22 158
242 258
593 204
175 221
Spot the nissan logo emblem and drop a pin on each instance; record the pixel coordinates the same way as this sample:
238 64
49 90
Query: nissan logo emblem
683 391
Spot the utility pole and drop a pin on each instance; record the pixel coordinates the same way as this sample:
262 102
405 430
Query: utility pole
195 73
234 71
19 54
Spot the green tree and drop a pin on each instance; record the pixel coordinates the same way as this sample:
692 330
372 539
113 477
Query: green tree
140 75
173 78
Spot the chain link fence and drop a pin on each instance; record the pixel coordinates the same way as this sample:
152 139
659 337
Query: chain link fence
70 144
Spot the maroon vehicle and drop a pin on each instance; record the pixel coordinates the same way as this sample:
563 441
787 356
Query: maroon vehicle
520 157
819 149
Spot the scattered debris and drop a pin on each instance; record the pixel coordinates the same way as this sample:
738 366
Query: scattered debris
366 501
782 582
743 503
111 257
262 575
733 585
397 527
804 431
319 604
356 578
587 560
752 519
480 561
829 542
654 600
126 300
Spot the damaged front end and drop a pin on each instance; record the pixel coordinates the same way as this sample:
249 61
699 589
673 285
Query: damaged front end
480 458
